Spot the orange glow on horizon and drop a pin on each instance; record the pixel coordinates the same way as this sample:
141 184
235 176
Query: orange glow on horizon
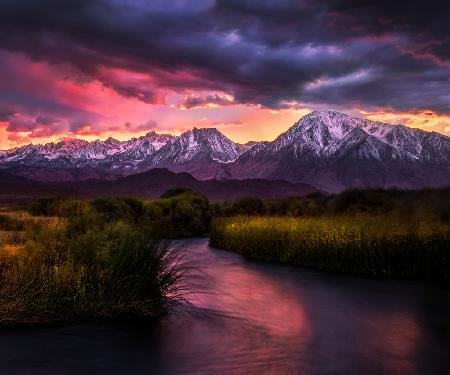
422 119
241 123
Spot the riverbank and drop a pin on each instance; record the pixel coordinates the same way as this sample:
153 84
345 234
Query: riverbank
374 245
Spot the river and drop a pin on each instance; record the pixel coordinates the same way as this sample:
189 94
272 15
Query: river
250 318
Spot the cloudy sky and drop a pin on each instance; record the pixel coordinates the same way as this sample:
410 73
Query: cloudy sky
251 68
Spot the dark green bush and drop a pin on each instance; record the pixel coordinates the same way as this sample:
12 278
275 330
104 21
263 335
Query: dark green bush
176 191
186 214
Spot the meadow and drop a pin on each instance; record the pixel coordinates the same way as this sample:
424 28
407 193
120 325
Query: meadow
386 245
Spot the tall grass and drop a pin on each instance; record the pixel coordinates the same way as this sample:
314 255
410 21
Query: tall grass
55 273
378 245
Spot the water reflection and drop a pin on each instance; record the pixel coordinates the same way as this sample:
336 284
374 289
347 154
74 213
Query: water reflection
242 321
395 337
257 319
254 299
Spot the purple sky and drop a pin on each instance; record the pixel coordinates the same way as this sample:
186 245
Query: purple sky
250 68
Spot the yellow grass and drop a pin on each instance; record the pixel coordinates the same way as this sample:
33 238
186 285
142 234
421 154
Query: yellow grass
364 244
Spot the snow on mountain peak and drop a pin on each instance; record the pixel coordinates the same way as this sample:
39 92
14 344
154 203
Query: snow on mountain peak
328 133
206 141
340 124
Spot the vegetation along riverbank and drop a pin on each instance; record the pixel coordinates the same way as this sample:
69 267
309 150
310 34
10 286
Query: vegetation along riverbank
386 233
68 260
364 244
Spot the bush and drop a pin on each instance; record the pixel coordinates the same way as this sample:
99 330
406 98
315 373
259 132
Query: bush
176 191
183 215
407 203
113 209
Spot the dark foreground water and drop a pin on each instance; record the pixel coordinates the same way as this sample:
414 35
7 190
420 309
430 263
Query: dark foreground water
257 319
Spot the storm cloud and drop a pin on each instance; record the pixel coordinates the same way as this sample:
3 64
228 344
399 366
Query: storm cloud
270 53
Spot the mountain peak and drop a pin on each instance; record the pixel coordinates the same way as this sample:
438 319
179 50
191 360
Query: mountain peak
338 124
205 131
112 141
326 113
330 116
207 145
203 135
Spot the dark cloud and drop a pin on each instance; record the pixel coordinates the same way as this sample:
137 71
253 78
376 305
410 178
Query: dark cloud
149 125
6 112
132 92
45 120
332 52
20 125
80 126
426 22
41 126
203 101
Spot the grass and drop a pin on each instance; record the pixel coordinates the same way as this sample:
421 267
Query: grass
56 270
376 245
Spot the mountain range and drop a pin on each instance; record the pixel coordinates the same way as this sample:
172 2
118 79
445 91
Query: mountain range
329 150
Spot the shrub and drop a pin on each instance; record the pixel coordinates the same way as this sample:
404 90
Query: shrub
176 191
186 214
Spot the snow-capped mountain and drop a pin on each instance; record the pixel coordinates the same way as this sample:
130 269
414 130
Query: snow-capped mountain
199 144
334 151
77 150
329 150
137 150
79 159
201 152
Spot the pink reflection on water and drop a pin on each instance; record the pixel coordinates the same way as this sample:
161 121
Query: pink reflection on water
255 298
264 319
253 325
394 337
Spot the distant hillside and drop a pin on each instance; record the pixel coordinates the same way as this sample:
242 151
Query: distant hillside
155 181
151 184
12 185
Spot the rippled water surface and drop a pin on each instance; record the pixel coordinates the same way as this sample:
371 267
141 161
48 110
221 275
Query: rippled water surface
256 319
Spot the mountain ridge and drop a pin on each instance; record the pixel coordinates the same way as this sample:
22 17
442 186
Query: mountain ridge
328 149
149 184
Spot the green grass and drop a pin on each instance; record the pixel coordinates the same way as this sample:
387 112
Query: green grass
377 245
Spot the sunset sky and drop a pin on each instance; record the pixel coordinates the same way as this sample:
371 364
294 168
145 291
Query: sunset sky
98 68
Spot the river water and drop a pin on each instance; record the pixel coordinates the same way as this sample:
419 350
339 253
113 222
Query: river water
251 318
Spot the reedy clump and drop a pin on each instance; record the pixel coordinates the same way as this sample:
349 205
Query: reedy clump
377 245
